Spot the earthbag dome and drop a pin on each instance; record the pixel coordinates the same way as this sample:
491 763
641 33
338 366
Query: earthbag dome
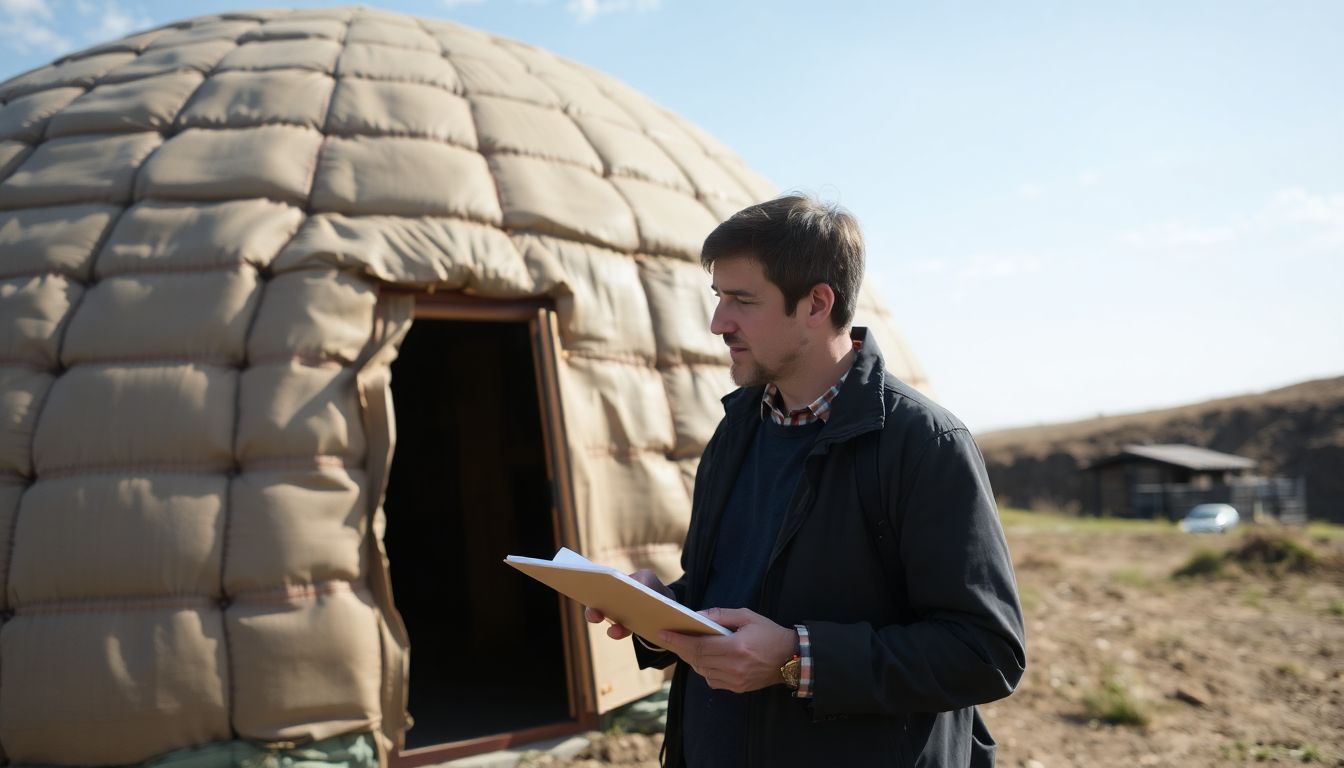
212 235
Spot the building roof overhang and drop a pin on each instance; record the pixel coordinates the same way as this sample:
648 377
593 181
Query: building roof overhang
1189 457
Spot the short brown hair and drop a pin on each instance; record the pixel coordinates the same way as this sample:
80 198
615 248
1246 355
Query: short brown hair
799 241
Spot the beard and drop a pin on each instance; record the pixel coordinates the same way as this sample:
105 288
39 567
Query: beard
753 373
748 374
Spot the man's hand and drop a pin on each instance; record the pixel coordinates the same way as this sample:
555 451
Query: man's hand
747 660
617 632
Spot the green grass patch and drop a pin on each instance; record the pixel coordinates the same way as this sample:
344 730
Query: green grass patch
1113 703
1204 563
1323 530
1238 751
1336 607
1289 669
1261 552
1015 517
1132 577
1023 519
1276 553
646 715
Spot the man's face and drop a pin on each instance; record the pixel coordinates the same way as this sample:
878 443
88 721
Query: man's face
765 343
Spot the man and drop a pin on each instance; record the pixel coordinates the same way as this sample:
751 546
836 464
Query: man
862 636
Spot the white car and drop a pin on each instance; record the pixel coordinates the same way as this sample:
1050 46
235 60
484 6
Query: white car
1211 518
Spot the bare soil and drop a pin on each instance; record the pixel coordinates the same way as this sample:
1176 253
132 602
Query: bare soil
1242 667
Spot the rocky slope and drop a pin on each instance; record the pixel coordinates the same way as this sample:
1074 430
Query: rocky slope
1296 431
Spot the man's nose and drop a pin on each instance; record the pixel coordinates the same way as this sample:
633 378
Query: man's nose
718 323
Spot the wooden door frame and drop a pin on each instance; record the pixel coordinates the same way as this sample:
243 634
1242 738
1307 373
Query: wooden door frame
539 315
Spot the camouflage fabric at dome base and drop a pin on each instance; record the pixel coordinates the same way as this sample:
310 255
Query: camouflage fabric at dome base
352 750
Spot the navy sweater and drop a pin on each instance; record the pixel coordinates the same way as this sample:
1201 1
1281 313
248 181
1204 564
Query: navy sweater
716 721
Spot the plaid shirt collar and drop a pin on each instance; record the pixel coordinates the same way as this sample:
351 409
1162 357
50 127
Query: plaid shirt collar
772 404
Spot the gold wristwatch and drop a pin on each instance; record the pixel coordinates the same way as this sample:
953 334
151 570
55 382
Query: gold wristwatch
791 671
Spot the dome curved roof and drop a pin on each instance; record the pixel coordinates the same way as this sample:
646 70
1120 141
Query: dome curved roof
197 227
346 113
361 112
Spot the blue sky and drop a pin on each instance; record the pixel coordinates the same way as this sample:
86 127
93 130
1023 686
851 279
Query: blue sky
1072 208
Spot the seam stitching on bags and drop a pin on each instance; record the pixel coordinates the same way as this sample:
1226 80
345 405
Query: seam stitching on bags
280 463
280 594
41 407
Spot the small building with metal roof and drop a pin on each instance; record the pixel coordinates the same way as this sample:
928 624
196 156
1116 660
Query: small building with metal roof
1140 480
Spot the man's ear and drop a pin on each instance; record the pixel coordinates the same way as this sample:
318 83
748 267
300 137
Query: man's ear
820 301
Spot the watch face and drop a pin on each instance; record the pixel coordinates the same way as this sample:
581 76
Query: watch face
790 672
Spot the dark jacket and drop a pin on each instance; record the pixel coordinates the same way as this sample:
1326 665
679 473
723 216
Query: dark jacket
898 667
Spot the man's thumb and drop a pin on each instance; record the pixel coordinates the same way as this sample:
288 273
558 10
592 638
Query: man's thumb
732 618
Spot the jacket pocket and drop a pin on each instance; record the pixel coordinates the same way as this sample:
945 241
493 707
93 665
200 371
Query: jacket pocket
983 745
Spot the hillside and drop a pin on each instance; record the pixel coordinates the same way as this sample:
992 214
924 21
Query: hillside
1296 431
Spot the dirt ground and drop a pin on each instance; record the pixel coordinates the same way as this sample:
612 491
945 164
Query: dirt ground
1242 667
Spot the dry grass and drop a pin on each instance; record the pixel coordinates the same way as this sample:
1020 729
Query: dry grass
1113 703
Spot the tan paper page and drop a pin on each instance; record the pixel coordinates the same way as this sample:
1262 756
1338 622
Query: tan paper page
615 594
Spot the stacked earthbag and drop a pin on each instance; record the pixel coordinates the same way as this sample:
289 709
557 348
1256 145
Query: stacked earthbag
199 228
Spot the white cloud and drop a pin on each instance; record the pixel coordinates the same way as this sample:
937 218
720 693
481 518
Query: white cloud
24 27
456 3
31 8
1089 179
1297 204
35 26
1290 216
1029 191
585 11
1323 215
112 21
990 266
26 37
1174 233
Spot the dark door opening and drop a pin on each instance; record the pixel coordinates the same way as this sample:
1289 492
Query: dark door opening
468 486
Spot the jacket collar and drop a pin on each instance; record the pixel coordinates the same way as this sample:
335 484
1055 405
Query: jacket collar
858 408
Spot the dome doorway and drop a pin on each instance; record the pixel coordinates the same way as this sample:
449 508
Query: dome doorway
494 657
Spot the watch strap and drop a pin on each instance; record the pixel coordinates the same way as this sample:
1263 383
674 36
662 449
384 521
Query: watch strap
804 663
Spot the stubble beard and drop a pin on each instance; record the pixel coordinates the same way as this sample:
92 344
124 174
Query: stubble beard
755 374
747 375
